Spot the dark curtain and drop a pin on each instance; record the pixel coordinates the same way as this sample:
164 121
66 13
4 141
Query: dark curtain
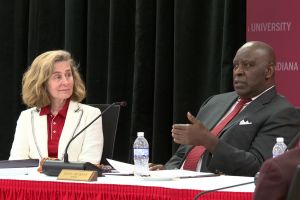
163 57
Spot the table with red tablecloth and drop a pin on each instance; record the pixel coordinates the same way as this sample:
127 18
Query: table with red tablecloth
32 185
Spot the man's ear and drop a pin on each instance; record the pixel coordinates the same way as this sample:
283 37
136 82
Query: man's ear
270 70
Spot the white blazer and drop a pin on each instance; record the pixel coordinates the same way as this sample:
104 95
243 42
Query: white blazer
31 136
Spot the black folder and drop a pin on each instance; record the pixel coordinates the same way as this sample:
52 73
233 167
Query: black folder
19 163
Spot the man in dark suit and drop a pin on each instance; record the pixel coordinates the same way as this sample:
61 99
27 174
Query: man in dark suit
276 175
247 140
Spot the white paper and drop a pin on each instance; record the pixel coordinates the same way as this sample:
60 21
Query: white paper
125 168
14 171
175 173
121 167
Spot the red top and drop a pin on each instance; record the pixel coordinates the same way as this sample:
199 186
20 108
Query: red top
55 126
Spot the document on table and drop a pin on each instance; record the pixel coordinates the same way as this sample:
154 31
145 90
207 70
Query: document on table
121 167
128 169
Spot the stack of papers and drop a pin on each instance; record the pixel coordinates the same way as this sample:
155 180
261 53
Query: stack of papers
158 175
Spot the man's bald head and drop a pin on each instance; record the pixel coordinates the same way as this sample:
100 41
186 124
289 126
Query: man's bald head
254 69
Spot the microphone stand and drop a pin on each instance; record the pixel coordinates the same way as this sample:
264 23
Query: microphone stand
54 167
66 157
222 188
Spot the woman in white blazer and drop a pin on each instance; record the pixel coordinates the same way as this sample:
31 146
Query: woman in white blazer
52 88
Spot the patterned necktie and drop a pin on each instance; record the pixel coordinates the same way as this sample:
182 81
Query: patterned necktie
195 154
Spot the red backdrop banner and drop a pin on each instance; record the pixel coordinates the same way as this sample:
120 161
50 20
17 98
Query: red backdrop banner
277 22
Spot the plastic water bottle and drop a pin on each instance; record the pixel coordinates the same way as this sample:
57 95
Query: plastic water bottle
279 148
141 155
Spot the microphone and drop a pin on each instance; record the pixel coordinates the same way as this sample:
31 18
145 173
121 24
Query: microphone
54 167
222 188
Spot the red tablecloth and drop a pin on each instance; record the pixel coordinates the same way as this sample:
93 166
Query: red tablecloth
41 190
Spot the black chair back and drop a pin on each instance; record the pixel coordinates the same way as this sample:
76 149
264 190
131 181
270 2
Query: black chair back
109 124
294 190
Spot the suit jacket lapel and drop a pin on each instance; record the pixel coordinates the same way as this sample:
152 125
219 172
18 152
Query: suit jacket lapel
252 108
224 107
40 132
70 128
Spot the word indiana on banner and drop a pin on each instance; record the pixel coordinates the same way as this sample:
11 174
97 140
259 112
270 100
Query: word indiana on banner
277 23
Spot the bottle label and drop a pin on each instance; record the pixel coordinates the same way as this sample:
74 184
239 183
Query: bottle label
278 149
141 152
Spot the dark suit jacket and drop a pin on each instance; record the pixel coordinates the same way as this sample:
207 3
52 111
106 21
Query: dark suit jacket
276 175
243 147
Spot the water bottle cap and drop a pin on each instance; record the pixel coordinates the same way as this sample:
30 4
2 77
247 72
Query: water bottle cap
140 134
279 139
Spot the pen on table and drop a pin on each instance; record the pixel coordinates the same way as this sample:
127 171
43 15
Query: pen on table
117 174
199 176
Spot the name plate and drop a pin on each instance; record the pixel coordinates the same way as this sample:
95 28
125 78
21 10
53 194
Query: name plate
77 175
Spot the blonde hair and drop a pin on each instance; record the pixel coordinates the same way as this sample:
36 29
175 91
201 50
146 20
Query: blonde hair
34 92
